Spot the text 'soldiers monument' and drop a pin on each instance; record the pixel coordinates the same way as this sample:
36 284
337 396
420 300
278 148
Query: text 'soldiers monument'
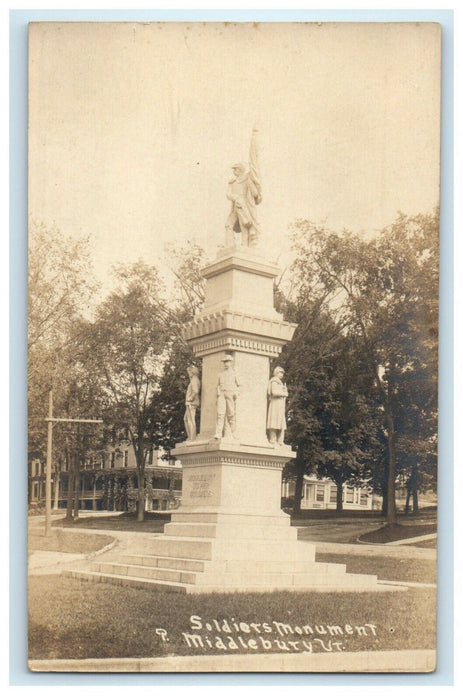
230 516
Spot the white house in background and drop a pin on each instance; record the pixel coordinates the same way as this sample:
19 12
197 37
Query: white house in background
321 494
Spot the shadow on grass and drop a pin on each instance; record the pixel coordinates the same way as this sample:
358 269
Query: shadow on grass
307 517
392 533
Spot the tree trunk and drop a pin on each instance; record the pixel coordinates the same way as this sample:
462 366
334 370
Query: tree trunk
71 478
55 505
391 515
415 501
141 498
384 491
141 507
76 489
339 491
300 471
407 502
414 488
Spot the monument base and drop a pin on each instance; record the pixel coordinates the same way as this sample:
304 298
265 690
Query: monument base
221 558
229 535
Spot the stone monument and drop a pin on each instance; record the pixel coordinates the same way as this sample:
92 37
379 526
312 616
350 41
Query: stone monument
231 492
230 534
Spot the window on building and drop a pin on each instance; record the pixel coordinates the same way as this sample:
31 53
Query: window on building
349 494
113 460
126 458
160 481
333 494
150 455
320 493
363 497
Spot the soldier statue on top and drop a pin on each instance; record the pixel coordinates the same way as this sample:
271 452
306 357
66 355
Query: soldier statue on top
244 193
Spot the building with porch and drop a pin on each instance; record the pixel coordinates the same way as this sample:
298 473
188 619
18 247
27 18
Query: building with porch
107 480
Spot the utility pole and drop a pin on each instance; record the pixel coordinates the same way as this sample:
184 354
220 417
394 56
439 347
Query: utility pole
51 422
48 470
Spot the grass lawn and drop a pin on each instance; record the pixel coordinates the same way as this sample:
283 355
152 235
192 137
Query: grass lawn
76 619
387 569
63 541
425 544
314 525
329 526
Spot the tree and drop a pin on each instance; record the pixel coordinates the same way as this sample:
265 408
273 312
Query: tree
330 411
125 348
185 265
60 288
384 290
348 419
307 359
188 295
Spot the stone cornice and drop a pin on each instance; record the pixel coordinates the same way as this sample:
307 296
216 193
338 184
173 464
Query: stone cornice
226 341
225 452
240 324
232 460
241 260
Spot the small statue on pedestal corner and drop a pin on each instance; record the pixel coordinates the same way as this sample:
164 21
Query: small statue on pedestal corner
244 192
192 402
227 393
276 413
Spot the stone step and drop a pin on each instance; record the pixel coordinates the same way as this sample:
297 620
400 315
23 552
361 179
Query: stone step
230 532
145 572
178 548
232 578
280 519
282 580
262 550
337 584
276 567
162 562
317 576
225 549
231 565
120 580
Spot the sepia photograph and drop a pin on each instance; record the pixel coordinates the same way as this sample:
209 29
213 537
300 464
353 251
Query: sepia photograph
233 305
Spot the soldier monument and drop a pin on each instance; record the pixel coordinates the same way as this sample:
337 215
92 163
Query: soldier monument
230 534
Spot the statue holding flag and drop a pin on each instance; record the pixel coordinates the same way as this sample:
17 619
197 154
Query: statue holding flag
244 192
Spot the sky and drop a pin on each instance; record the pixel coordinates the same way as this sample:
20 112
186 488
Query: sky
133 128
